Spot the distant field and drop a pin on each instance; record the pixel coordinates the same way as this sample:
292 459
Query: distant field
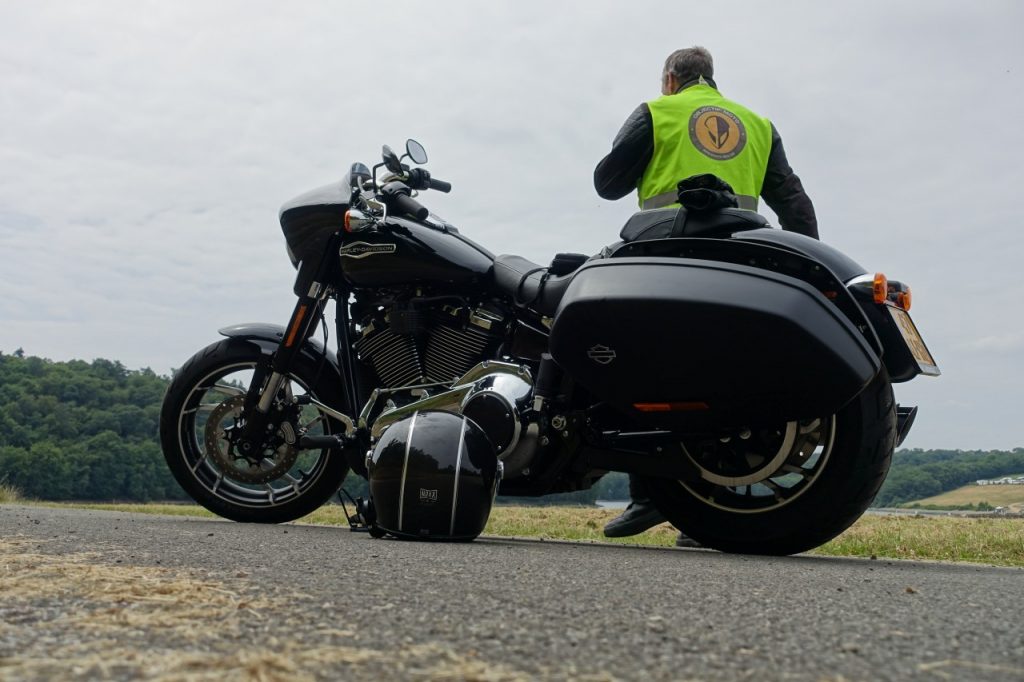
997 495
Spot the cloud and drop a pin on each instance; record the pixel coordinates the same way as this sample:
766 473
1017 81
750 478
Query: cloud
999 343
146 148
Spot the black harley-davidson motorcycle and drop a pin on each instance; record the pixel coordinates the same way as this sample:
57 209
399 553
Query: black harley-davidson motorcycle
744 372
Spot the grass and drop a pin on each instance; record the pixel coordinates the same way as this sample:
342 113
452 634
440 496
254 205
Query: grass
996 495
979 540
8 493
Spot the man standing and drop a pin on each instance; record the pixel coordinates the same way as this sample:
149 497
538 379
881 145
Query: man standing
690 130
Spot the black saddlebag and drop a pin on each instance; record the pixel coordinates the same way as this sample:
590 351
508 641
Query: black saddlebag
690 343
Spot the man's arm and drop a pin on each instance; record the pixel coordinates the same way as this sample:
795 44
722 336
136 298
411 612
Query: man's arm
619 173
784 193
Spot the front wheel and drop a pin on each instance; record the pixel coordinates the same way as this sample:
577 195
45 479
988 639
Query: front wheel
203 407
785 489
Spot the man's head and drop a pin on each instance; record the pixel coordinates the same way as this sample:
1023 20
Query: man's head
683 66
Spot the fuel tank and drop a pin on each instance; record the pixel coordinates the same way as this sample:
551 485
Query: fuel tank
406 252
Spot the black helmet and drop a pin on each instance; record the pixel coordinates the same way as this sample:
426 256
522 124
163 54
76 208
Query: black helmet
433 476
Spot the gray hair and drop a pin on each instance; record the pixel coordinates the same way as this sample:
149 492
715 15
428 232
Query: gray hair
690 63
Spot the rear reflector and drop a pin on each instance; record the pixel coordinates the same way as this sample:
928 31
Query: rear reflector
671 407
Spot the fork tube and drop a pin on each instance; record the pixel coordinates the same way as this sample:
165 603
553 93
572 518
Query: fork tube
305 315
348 374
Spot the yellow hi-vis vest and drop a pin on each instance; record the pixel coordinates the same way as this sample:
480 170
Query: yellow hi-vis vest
696 131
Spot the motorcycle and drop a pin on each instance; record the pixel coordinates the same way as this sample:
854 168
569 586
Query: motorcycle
744 373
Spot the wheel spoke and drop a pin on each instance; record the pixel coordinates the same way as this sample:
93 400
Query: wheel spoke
294 481
199 461
270 492
232 391
774 487
808 428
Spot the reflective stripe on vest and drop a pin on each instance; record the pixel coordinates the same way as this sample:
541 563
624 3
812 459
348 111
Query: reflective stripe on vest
696 131
668 198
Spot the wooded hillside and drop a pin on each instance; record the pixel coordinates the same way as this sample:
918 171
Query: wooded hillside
88 431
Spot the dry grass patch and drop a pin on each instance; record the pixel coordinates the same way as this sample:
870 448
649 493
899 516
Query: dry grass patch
8 493
73 617
996 495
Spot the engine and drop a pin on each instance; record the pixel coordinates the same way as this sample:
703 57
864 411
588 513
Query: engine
414 343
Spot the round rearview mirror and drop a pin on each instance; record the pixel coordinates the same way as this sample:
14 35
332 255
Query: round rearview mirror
416 151
391 161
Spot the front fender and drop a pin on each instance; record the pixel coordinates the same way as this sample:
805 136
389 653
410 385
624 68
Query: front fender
267 337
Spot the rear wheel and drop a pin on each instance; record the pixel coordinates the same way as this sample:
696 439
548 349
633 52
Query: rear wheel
203 409
785 489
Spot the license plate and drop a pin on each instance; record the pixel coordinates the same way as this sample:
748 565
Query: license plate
914 342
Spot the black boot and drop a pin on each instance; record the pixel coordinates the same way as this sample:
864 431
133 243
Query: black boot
684 540
638 517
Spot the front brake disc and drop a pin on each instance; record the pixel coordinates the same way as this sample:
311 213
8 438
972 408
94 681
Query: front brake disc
275 458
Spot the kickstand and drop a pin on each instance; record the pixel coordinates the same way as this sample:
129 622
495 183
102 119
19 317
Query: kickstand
356 521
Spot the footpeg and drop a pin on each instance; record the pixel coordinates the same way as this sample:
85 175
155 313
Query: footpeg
320 442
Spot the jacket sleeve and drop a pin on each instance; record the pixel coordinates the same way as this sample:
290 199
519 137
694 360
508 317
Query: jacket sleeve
619 173
784 193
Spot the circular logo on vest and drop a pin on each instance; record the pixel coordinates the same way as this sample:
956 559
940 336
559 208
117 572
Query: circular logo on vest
717 133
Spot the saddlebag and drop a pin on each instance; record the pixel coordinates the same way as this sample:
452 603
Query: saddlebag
689 343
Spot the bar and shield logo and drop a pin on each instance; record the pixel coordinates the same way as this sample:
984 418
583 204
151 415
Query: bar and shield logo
601 354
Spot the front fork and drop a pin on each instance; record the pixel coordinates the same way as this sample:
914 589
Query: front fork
266 384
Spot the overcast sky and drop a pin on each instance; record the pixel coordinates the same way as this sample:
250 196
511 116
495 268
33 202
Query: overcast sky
145 148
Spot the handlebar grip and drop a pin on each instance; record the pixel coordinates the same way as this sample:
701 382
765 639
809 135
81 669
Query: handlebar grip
440 185
403 203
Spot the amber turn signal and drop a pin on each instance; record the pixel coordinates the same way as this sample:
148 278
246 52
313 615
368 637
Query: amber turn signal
348 221
903 299
880 288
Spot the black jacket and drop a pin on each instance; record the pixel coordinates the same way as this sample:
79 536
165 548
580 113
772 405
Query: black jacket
619 173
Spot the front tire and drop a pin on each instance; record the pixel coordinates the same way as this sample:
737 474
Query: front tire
831 483
205 399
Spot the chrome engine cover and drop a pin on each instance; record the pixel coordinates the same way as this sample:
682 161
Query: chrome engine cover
497 397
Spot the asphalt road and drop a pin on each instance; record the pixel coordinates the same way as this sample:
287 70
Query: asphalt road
339 605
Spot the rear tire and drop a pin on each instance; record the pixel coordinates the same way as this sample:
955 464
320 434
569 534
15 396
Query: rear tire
854 468
206 390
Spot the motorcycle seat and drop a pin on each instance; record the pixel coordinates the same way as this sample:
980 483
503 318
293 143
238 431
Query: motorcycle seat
676 221
534 286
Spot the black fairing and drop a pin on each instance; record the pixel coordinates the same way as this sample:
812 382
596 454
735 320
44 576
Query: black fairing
844 267
752 345
406 252
309 220
433 476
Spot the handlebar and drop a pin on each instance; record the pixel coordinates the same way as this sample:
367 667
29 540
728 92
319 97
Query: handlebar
419 178
405 204
397 196
440 185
